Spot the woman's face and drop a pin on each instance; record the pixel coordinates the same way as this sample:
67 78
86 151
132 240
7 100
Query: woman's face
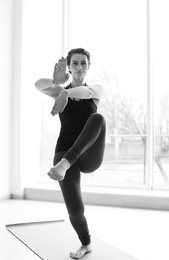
79 65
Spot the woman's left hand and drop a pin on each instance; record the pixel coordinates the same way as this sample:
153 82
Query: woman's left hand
60 103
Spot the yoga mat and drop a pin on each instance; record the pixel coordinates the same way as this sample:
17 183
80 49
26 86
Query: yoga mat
54 240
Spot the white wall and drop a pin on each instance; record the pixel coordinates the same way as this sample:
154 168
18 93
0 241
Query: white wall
10 101
6 35
16 177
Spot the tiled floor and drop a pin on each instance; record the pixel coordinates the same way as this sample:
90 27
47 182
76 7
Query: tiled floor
140 233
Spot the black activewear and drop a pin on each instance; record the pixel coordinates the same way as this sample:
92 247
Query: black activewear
81 142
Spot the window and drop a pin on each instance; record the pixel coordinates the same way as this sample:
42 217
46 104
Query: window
41 47
115 33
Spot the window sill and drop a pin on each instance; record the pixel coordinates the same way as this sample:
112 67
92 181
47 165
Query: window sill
130 198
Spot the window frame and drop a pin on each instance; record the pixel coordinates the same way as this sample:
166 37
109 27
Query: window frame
18 183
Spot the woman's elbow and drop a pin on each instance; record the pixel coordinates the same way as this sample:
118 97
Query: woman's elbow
38 83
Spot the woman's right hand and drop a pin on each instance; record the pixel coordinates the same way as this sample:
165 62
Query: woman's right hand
59 75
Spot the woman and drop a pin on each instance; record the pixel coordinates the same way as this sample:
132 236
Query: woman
81 142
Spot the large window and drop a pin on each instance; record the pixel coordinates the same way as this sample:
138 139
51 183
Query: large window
41 47
116 33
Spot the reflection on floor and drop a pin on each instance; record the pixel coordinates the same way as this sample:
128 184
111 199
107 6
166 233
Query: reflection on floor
140 233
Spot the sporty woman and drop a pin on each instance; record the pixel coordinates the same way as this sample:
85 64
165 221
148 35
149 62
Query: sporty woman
81 142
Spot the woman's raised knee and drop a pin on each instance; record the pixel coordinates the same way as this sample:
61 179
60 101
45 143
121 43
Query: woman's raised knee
97 118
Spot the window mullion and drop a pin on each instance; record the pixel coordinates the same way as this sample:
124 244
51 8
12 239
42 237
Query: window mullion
65 26
149 179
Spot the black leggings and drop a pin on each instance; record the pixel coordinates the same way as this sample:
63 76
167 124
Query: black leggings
86 156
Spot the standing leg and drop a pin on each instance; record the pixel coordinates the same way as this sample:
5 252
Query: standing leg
71 191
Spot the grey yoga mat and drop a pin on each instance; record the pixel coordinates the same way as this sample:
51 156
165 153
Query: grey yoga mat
54 240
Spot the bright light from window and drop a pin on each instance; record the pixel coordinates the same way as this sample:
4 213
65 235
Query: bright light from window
115 34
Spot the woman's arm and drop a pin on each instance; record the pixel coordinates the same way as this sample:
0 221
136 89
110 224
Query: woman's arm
47 87
85 92
81 92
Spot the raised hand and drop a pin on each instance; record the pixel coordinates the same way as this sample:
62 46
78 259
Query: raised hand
59 75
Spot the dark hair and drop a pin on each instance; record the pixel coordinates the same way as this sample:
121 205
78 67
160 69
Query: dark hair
77 51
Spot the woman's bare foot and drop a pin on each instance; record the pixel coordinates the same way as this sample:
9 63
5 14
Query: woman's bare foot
58 172
81 252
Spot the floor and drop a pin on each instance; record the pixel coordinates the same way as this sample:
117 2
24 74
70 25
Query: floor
140 233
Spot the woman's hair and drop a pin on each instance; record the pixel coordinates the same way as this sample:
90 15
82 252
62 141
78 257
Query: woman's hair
77 51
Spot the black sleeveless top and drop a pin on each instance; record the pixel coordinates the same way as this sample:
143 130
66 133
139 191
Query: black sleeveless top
73 119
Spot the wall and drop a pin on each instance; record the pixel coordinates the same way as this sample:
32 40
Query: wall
16 178
6 36
10 98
